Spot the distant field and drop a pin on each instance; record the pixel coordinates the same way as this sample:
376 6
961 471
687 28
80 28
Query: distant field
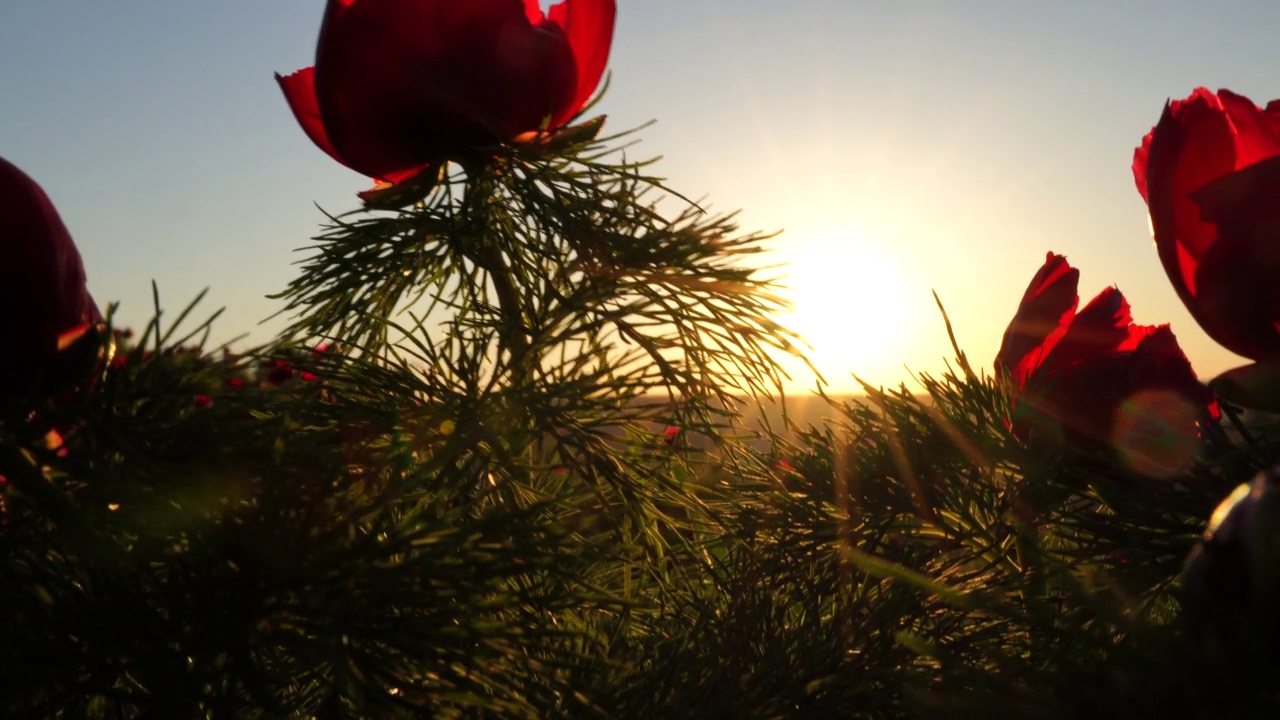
801 410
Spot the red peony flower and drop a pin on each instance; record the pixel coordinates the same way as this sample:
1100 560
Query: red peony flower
1093 375
42 285
279 372
401 85
1210 173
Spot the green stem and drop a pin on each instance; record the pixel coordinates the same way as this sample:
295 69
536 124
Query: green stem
513 334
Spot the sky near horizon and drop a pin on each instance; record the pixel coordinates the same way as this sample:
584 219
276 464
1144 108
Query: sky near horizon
901 148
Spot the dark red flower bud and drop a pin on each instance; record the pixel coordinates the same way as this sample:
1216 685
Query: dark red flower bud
1096 377
279 372
1210 173
1231 581
202 401
42 287
402 85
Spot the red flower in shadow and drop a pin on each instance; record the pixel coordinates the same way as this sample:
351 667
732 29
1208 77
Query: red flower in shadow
402 85
1093 375
42 282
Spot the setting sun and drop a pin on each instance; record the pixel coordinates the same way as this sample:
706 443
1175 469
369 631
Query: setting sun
856 305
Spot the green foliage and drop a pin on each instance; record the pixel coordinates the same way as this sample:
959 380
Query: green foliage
467 504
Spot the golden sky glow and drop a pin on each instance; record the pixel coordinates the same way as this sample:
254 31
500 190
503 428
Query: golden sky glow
855 304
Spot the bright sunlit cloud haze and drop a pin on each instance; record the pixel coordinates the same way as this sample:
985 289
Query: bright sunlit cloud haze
901 148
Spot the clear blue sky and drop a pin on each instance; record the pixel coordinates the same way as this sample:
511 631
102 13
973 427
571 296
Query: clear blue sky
902 147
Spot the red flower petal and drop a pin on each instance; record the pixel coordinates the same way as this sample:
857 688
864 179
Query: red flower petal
589 26
1102 327
533 11
1239 300
1047 307
1141 156
300 92
1192 145
1158 362
1255 133
1080 399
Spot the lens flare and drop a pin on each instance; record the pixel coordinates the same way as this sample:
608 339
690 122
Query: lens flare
1155 433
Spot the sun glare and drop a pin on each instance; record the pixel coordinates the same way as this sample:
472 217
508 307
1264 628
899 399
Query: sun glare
852 305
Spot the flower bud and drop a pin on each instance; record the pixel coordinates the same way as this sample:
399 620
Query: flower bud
1231 581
